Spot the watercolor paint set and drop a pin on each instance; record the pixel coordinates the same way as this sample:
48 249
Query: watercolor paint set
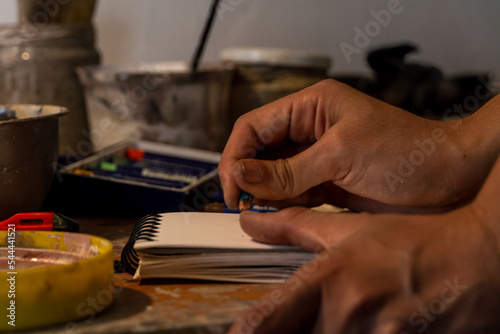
138 177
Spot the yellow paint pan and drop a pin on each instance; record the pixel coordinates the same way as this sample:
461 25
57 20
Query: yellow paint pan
49 278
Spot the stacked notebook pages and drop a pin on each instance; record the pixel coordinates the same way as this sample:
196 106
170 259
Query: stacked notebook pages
206 246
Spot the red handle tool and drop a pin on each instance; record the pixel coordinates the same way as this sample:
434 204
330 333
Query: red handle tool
40 221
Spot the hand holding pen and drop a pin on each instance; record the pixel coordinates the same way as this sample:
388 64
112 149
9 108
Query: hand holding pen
354 151
336 145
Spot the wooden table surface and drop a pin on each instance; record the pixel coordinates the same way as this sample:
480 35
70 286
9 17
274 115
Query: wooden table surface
161 306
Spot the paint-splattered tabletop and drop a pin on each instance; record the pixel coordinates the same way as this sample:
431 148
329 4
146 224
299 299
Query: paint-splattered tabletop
159 306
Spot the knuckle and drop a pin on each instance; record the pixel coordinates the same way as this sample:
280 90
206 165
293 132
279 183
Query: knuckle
391 326
241 120
360 294
292 213
283 176
326 83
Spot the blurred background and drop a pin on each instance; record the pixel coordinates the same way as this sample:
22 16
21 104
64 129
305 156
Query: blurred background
124 70
456 35
436 59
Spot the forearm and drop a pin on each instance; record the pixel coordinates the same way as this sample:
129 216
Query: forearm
476 146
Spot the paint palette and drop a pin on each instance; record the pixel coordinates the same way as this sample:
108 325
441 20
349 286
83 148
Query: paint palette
138 178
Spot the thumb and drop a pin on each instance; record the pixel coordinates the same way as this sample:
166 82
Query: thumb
288 178
308 229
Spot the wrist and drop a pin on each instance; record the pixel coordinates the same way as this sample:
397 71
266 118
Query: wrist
452 173
476 146
485 205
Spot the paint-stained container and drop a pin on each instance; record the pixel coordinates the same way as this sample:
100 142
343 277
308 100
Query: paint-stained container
263 75
159 102
51 278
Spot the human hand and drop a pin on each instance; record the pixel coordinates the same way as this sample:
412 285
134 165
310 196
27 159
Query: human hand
391 274
385 273
330 143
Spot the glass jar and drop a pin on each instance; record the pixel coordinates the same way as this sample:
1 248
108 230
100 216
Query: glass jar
38 67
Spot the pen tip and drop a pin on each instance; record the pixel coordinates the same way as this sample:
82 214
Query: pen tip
245 205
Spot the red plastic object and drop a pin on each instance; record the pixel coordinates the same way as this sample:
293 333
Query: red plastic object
135 154
29 221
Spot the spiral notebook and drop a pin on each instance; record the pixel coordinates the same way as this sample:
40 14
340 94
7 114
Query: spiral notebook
206 246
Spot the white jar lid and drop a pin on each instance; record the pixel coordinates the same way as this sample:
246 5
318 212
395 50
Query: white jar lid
275 57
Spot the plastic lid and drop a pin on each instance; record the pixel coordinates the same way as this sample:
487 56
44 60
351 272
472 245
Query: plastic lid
275 57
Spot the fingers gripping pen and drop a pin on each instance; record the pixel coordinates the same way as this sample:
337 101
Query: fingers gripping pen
246 199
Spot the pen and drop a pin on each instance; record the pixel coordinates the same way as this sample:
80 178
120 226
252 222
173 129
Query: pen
245 202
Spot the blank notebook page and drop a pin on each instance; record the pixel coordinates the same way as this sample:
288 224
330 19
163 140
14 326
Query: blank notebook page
202 230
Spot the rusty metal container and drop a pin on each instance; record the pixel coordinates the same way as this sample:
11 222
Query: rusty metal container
29 137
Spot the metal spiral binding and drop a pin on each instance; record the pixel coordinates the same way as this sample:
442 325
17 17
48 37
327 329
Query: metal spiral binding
146 228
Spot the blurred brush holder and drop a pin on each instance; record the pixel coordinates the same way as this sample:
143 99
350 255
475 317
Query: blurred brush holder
160 102
263 75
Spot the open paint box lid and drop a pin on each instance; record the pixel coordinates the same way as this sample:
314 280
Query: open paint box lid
49 277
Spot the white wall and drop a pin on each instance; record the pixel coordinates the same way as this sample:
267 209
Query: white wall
455 35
